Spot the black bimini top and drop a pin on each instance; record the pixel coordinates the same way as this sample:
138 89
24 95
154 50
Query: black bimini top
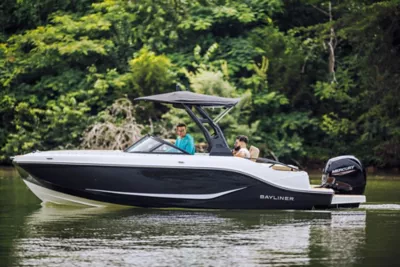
189 98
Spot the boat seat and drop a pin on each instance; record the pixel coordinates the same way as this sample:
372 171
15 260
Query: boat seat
254 153
285 168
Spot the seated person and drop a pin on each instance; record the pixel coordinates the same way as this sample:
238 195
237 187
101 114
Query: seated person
236 146
240 149
184 141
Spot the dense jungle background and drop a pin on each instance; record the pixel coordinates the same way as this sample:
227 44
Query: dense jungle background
317 78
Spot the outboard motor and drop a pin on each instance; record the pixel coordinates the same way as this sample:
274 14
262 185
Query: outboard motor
345 175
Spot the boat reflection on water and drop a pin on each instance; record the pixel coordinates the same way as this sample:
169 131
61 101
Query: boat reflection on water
339 243
142 237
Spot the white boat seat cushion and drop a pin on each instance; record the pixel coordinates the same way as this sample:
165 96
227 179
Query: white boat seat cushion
254 153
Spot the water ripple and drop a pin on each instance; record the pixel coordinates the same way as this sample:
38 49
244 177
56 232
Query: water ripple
380 207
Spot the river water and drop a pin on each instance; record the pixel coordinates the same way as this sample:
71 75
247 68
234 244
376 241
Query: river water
32 235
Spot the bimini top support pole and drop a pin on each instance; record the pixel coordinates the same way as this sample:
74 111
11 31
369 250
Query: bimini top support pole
217 145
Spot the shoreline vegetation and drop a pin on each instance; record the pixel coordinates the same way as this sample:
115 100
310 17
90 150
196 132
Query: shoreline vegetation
317 78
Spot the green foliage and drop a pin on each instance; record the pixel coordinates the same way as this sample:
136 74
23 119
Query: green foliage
19 15
149 74
355 110
50 87
63 62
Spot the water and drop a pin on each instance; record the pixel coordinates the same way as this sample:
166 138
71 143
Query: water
32 235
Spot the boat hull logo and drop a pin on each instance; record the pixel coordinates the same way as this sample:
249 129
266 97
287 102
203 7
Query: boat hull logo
279 198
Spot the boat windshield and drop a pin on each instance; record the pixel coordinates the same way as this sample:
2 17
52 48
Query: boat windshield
151 144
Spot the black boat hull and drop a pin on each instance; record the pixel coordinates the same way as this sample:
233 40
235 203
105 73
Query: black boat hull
168 187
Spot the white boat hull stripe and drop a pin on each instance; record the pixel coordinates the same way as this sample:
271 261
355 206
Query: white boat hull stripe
179 196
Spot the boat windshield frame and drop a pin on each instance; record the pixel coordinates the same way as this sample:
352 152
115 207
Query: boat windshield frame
151 150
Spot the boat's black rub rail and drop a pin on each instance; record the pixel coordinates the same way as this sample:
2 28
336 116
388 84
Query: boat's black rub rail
254 195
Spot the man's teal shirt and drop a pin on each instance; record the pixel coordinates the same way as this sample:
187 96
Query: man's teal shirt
186 143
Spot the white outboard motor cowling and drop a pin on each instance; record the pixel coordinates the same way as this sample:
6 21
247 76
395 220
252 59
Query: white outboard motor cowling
345 175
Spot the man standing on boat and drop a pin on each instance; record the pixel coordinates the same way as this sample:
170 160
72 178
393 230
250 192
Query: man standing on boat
184 141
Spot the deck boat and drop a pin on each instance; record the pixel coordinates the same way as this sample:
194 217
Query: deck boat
155 173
